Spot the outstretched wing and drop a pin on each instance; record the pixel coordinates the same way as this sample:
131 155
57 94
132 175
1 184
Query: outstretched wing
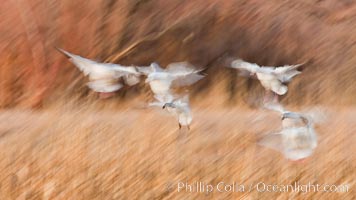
104 86
273 141
243 65
89 66
275 107
85 65
154 67
185 80
98 70
287 72
287 68
103 76
144 70
180 68
316 114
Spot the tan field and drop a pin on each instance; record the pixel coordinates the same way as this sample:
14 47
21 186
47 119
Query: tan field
58 140
91 153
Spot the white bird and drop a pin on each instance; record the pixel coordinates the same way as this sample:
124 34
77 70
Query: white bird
146 70
271 78
162 81
104 77
297 139
179 107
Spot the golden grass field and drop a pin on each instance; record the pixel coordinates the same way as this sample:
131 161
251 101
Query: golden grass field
94 151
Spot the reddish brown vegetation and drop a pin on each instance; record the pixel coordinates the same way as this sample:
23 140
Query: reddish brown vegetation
206 33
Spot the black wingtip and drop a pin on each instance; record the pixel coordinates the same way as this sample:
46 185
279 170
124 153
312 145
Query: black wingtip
63 52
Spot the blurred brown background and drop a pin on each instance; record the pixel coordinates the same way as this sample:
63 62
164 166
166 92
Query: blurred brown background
80 147
206 33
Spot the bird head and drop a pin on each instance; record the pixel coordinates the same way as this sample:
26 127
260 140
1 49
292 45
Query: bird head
292 115
286 115
172 105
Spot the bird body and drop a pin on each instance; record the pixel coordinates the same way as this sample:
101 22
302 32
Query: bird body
179 107
269 82
298 142
160 87
297 139
162 81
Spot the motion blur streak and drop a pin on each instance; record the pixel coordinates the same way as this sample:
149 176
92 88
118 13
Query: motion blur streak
58 140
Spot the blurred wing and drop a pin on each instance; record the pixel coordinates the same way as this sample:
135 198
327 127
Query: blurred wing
244 73
287 72
297 154
104 86
182 101
85 65
156 104
102 76
273 141
316 114
186 80
268 67
185 99
300 138
95 69
122 70
131 79
164 98
240 64
313 137
155 67
275 107
288 77
145 70
287 68
181 68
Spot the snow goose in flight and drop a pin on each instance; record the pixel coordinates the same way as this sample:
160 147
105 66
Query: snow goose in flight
104 77
162 81
297 139
179 107
271 78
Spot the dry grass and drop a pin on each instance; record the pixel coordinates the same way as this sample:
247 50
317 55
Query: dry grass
95 152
